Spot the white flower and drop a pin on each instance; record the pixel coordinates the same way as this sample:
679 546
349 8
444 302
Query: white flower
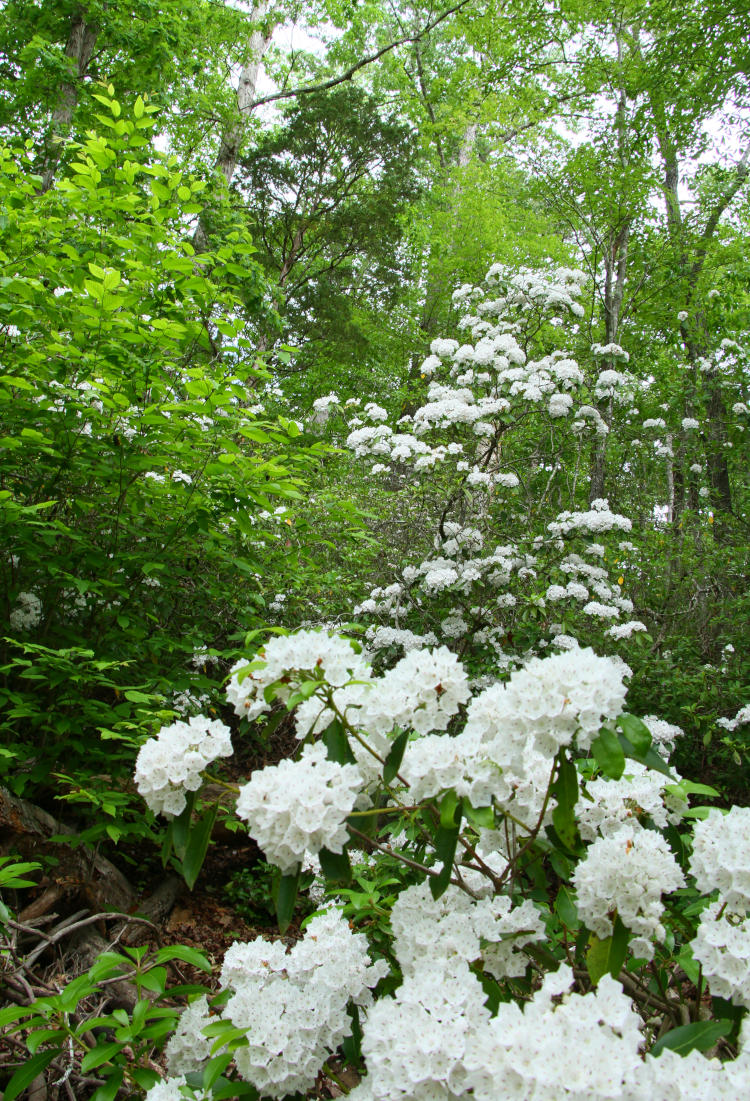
423 691
26 613
300 806
721 856
627 872
638 794
188 1048
625 630
293 1004
287 661
664 734
171 764
169 1089
722 946
444 348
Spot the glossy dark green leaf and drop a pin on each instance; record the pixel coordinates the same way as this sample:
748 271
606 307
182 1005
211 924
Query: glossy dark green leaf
185 953
698 1036
565 793
449 804
395 757
336 742
445 842
26 1074
651 759
565 907
285 898
335 866
198 840
636 731
606 957
102 1053
108 1092
609 754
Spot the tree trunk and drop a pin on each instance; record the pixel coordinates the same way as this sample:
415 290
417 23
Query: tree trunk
78 51
233 136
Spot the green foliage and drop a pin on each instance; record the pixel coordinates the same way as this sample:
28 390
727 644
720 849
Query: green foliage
126 522
118 1045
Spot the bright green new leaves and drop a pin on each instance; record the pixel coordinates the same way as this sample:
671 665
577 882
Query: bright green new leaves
137 482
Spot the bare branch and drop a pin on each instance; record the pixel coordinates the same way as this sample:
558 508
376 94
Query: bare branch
323 86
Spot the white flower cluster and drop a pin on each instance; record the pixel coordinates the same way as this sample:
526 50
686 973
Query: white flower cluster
287 661
638 794
722 947
627 873
550 701
423 691
663 734
322 407
609 351
597 519
742 717
457 926
171 764
26 613
171 1089
514 729
435 1040
188 1048
300 806
626 630
293 1004
721 856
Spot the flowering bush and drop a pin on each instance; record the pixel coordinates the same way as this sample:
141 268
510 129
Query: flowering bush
537 828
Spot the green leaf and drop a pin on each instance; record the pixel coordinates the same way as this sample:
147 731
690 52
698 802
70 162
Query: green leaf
565 907
179 827
285 898
395 757
352 1045
445 842
155 979
483 818
138 107
636 731
650 759
688 787
336 742
609 754
186 954
13 1013
108 1092
102 1053
26 1074
227 1091
606 957
198 841
449 804
335 866
565 791
214 1069
698 1036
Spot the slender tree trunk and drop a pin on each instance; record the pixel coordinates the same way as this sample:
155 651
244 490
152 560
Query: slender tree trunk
233 137
78 51
615 272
